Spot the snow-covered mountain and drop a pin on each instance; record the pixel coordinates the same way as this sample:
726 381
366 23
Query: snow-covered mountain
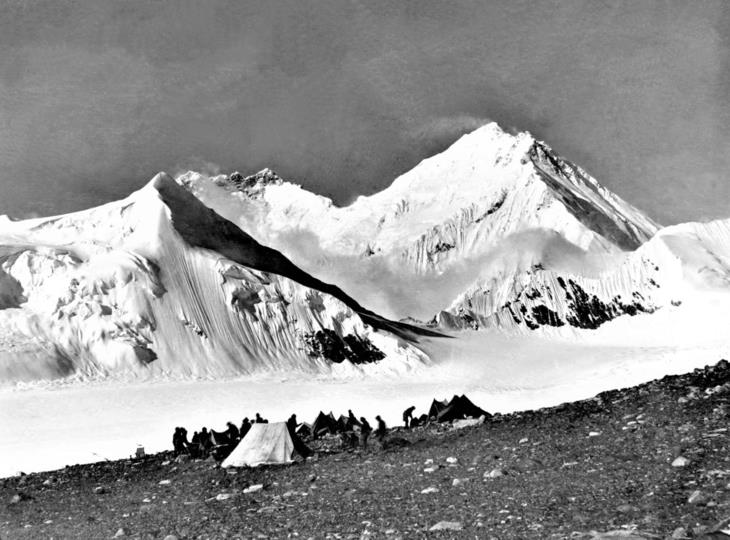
462 231
159 284
496 232
678 264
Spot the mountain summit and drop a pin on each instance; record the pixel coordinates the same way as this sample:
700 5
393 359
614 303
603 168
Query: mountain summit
432 231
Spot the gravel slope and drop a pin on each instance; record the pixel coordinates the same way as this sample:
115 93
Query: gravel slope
605 464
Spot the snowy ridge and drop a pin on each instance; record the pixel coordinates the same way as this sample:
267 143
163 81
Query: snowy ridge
678 264
157 284
435 226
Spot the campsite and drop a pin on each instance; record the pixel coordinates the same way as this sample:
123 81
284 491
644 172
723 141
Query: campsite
571 471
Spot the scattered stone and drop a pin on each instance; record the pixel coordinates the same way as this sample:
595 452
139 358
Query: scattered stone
122 531
170 537
681 461
679 532
447 526
494 473
696 497
594 433
223 496
165 482
626 508
100 490
15 499
452 460
524 440
430 469
430 489
254 488
459 481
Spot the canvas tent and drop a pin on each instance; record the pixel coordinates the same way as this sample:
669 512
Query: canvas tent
304 430
266 444
436 408
324 423
458 408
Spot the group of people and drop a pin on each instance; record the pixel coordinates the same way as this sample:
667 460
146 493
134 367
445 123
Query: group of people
356 431
206 442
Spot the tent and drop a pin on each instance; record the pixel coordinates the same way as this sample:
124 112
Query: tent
345 423
458 408
437 407
266 444
324 423
304 430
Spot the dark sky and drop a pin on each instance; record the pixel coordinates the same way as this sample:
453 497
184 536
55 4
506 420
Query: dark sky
97 96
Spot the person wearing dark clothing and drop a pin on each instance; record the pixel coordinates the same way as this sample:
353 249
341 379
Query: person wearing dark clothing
205 443
365 430
184 444
299 446
176 442
382 428
245 426
260 420
195 445
233 433
408 416
353 419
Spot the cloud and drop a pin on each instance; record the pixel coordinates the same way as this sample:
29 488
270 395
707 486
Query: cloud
448 128
197 164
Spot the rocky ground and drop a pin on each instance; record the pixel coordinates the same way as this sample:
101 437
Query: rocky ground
645 462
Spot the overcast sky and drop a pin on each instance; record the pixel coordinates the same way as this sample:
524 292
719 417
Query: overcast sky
96 96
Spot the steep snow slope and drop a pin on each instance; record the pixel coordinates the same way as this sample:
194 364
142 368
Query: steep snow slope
159 284
410 249
682 263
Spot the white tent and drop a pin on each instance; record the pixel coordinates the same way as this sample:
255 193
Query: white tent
264 444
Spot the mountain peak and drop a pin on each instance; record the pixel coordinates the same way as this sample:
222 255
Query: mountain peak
161 179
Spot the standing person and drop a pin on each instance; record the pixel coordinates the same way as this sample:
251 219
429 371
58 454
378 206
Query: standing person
205 443
176 441
233 433
183 438
245 426
352 418
365 430
195 445
382 428
292 423
408 416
